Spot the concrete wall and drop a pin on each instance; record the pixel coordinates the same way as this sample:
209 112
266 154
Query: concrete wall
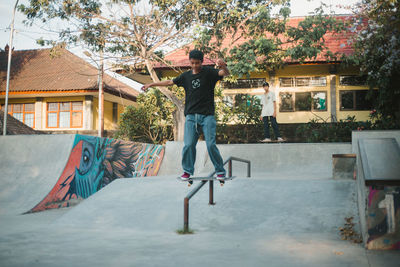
301 160
379 206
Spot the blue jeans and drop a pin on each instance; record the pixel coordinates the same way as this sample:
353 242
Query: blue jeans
209 125
274 126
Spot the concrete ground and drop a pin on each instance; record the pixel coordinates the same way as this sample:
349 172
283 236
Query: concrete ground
258 221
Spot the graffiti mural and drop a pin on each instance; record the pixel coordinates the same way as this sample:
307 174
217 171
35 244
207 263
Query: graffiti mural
94 163
383 218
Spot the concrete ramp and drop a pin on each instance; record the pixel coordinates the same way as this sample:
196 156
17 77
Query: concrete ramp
41 172
30 167
294 161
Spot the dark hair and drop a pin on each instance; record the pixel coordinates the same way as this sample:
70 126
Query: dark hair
265 84
196 54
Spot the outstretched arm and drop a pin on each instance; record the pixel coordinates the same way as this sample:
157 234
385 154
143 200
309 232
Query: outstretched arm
162 83
223 69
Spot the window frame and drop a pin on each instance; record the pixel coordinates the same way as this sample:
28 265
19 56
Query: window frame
257 81
294 82
11 112
352 85
58 114
341 92
293 93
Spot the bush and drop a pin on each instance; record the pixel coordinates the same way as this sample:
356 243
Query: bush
149 122
320 131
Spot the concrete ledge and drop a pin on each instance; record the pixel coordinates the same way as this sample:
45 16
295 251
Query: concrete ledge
378 205
344 166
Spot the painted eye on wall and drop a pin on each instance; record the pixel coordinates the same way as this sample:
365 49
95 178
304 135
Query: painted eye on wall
87 158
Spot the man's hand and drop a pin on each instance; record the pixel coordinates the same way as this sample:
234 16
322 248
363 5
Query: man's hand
145 87
274 114
220 63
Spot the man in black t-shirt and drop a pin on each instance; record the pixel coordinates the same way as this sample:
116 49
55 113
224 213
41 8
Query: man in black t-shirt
199 84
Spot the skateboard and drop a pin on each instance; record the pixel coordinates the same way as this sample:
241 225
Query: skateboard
274 141
191 179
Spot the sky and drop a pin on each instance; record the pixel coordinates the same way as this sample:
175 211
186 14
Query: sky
25 37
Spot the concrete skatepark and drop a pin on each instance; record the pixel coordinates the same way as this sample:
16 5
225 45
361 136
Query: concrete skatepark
288 213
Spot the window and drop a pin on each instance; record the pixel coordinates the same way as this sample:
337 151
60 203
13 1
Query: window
23 112
302 81
244 83
319 101
352 80
229 100
64 114
286 103
356 100
302 101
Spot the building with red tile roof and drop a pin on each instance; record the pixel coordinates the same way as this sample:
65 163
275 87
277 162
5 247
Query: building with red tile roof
55 90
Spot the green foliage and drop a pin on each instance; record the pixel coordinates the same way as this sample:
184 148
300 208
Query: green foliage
247 109
377 47
269 40
150 121
245 114
317 130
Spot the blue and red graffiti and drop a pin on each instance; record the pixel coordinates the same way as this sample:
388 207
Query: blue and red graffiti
95 162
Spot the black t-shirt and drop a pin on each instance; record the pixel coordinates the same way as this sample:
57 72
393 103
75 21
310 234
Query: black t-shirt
199 90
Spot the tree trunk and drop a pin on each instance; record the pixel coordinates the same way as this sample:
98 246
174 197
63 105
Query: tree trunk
178 114
179 124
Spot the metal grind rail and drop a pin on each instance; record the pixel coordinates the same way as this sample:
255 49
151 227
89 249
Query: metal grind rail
211 189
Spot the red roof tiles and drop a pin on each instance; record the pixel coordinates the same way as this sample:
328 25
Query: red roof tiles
38 71
337 43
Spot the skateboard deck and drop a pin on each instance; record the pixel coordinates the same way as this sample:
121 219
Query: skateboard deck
273 141
199 178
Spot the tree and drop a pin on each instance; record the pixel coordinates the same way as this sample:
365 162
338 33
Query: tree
262 41
150 121
377 52
134 31
138 32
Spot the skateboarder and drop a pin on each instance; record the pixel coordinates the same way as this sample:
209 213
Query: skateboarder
268 102
199 83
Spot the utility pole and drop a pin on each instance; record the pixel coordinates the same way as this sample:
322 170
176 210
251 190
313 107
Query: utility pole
101 95
10 45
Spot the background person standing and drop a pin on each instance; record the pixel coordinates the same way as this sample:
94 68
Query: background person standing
268 113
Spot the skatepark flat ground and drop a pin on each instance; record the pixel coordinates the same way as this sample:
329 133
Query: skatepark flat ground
257 221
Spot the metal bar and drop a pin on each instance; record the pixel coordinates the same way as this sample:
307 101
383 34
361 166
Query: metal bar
211 188
197 188
186 215
230 168
211 193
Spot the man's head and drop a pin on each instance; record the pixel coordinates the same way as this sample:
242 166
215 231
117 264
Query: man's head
196 59
266 87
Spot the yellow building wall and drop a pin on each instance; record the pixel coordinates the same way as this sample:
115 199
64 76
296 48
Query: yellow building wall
305 71
121 110
108 115
108 123
299 71
18 101
108 111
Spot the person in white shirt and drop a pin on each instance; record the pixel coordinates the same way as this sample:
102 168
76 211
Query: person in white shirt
268 113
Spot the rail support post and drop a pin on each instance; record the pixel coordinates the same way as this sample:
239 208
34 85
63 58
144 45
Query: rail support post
211 194
186 215
230 168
